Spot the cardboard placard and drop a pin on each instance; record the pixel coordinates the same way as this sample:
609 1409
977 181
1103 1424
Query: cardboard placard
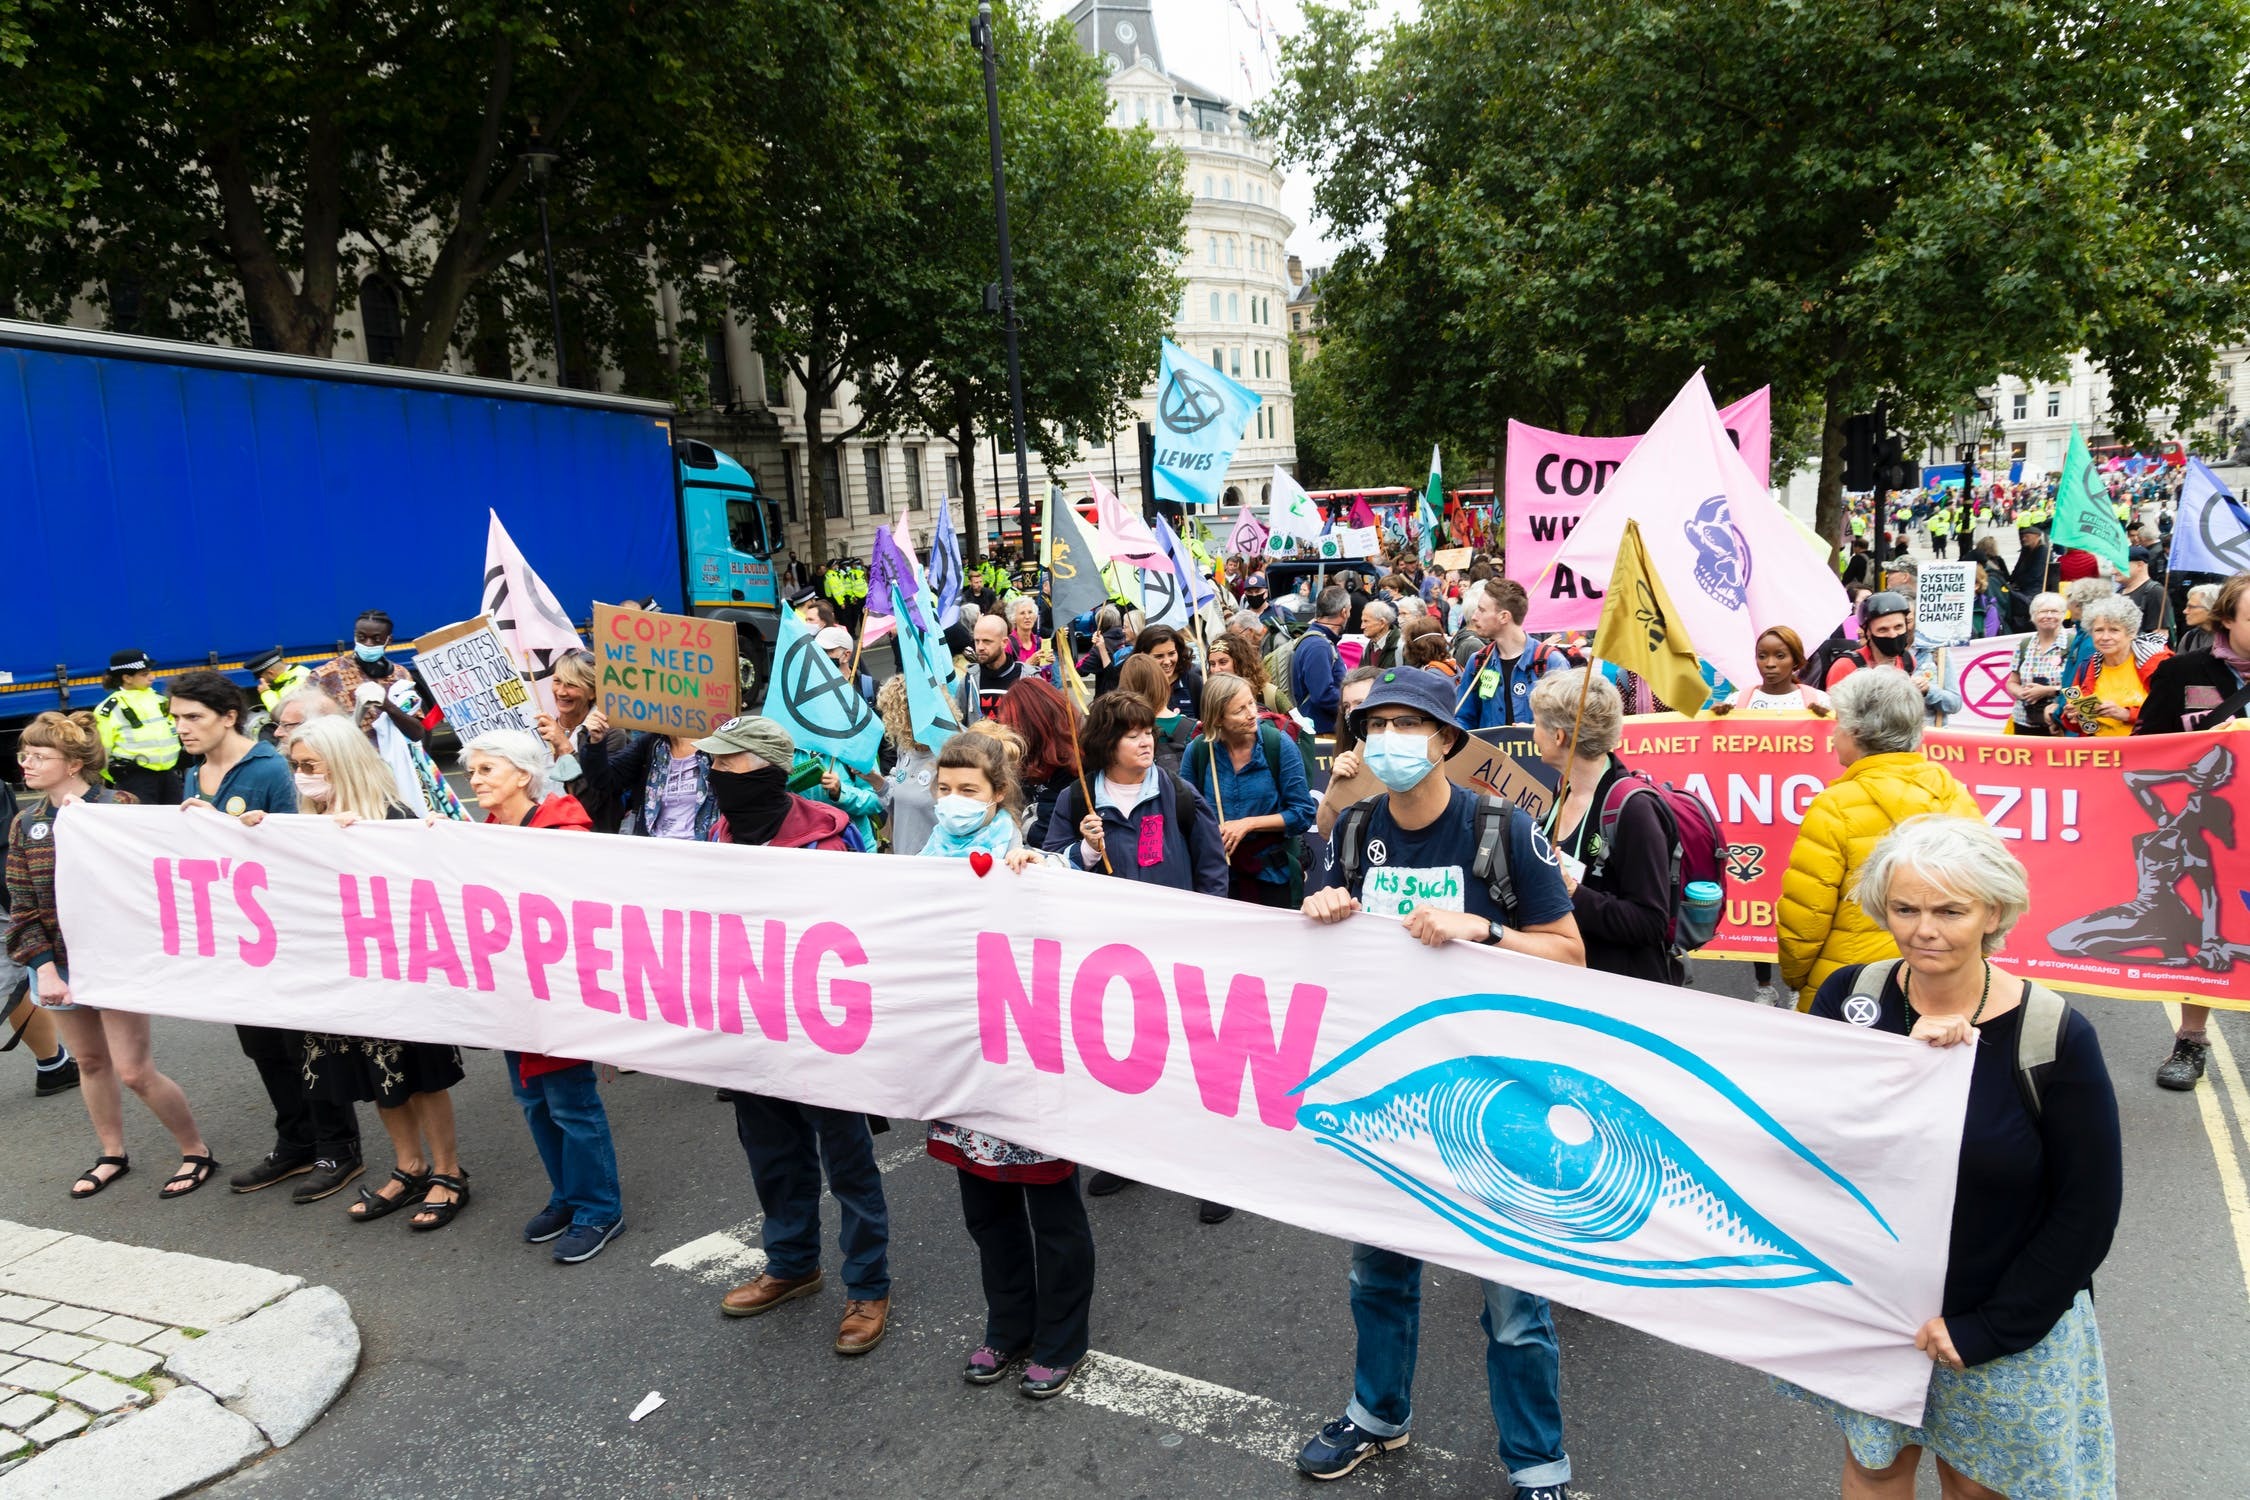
474 680
1362 541
1452 557
1944 603
675 674
1501 762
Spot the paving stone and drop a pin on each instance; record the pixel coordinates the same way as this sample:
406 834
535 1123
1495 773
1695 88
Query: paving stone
69 1319
38 1375
7 1363
121 1360
183 1441
61 1423
14 1336
19 1240
21 1309
168 1343
281 1366
62 1348
120 1330
100 1393
156 1286
20 1412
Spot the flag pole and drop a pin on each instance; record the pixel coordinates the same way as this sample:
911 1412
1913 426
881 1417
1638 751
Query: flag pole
1077 757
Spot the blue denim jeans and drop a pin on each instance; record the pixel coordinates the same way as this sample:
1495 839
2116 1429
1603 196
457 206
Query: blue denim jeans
571 1130
789 1145
1522 1364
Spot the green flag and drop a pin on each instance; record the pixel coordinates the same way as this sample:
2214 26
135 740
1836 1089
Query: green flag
2085 516
1430 508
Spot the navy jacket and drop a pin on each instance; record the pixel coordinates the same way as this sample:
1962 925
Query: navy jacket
260 780
1316 677
1192 857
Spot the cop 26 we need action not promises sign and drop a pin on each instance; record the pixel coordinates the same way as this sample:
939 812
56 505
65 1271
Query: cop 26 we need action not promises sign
675 674
1671 1160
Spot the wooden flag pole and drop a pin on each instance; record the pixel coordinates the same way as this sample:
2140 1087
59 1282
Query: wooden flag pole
1077 757
851 673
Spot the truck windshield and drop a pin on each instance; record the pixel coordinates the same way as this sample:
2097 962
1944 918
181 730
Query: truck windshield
743 529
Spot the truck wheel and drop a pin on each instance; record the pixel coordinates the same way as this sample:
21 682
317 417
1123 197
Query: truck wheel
754 663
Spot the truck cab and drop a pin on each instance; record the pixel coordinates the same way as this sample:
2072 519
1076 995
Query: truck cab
735 544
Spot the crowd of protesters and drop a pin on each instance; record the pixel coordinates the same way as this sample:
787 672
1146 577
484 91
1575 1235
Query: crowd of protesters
1194 766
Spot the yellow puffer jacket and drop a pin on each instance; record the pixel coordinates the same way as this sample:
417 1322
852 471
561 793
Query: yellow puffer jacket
1822 929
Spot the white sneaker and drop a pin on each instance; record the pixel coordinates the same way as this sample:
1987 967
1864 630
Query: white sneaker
1770 994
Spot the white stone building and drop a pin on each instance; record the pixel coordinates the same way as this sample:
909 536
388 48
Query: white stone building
2035 417
1234 310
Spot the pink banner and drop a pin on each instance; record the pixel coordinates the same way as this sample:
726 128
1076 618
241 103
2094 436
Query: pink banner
1553 476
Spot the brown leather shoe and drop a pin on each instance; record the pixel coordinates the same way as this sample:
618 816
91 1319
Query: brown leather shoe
864 1325
766 1293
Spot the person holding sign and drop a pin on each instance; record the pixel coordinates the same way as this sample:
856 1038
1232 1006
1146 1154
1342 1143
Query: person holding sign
1781 656
2104 696
391 708
1424 835
1886 626
1256 779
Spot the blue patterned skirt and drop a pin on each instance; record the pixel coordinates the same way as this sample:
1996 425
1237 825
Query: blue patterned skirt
2034 1426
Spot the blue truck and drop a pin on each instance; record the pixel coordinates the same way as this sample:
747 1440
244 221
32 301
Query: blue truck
204 505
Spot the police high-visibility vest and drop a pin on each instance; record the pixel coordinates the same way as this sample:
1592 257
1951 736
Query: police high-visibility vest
135 727
1859 526
293 677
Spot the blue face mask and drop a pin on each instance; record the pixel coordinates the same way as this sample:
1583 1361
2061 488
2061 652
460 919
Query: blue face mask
367 653
1399 761
962 816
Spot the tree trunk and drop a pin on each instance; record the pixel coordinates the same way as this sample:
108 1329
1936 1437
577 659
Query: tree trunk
1828 502
816 487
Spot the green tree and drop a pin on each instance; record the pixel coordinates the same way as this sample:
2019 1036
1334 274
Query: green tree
243 168
1578 208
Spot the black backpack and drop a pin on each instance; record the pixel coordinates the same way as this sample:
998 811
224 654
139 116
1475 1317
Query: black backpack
1490 863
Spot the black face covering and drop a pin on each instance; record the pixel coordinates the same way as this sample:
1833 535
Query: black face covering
753 802
1893 645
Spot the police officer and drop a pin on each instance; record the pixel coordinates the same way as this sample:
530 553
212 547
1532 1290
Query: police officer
277 677
137 733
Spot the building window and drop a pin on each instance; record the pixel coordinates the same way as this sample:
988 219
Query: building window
2054 451
789 482
1297 321
1209 191
1226 187
2021 407
1237 360
832 475
1214 307
2054 403
952 475
2017 451
873 458
1230 251
1234 307
1211 249
722 372
1218 359
913 479
379 319
1140 109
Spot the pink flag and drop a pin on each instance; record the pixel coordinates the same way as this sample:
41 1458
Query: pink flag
1122 534
1729 557
1248 536
532 624
1361 515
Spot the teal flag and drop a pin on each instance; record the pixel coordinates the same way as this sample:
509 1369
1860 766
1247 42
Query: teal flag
2085 516
927 666
812 699
1200 418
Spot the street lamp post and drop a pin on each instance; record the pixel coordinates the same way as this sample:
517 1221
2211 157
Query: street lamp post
980 35
539 160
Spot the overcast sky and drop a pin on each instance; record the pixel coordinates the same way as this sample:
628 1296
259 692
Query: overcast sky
1233 46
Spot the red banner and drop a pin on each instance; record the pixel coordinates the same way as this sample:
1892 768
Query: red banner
2139 888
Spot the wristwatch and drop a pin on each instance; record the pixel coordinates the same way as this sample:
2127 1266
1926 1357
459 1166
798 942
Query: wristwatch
1491 938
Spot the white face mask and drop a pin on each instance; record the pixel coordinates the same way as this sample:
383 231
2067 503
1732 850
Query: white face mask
961 816
311 788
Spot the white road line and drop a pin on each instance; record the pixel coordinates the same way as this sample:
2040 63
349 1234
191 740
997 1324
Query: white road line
728 1257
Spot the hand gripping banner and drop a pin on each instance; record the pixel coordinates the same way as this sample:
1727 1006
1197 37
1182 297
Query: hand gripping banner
1670 1160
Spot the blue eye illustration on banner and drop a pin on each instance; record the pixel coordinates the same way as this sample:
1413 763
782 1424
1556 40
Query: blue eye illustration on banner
1545 1162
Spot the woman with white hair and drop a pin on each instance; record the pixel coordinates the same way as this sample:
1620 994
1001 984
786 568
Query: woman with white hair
339 773
1887 779
508 771
2035 677
1024 639
2195 614
2018 1399
1611 829
2105 695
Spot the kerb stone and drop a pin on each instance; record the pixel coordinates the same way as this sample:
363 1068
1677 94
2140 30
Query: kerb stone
185 1440
156 1286
280 1367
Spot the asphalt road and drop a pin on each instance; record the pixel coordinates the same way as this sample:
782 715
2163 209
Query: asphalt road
490 1370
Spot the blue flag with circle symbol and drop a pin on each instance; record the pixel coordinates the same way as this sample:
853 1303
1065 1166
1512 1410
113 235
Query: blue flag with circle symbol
1200 418
819 706
927 666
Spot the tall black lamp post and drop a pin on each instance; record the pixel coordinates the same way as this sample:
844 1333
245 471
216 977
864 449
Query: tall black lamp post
539 160
1003 298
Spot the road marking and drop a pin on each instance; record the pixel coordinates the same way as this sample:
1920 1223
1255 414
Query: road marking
729 1257
2231 1185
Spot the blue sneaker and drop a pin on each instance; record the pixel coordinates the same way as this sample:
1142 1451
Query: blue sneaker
1342 1446
585 1241
1542 1492
547 1224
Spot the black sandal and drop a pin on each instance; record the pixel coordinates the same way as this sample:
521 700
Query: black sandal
373 1205
194 1172
442 1214
93 1182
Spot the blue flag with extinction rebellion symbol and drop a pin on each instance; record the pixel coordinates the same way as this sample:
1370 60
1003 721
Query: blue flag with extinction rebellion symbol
1200 418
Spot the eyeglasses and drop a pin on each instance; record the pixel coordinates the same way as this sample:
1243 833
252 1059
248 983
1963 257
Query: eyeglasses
37 758
1406 723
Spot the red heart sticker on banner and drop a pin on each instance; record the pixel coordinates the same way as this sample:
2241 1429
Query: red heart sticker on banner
980 862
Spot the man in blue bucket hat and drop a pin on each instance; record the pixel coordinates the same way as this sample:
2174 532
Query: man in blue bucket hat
1450 865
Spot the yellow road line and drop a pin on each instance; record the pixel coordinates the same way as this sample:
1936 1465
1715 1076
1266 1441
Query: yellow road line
2231 1185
